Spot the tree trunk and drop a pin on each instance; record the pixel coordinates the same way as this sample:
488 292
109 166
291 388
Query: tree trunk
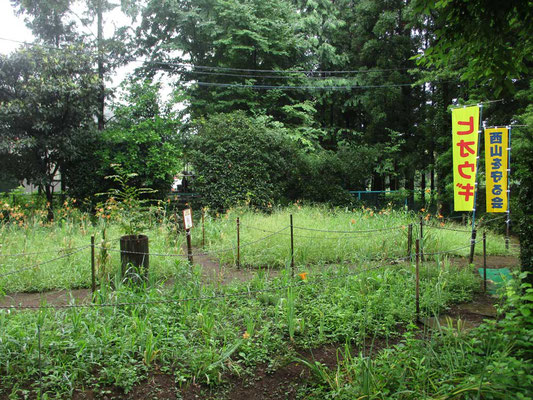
410 186
100 61
134 257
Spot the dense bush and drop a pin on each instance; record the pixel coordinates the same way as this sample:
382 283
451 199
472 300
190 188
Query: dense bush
240 159
327 176
141 137
524 156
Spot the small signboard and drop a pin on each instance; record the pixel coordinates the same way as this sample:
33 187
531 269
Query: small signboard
187 218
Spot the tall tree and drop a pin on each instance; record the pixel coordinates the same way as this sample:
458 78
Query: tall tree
491 44
228 40
47 100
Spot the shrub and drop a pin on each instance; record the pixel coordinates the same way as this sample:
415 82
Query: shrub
240 159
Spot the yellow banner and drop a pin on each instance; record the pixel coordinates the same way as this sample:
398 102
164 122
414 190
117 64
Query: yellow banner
496 153
465 136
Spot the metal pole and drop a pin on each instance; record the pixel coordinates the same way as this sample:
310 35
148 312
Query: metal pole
238 244
292 249
472 246
189 245
485 262
421 238
93 272
473 239
508 221
409 240
203 229
417 298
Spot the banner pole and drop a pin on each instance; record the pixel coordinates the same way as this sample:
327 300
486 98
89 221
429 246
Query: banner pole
508 221
480 131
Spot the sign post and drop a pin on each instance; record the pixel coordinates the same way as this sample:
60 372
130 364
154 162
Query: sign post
465 141
187 223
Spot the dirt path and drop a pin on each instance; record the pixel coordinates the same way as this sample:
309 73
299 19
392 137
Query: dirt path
212 272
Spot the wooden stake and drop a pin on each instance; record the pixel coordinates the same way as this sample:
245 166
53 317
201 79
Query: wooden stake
292 249
189 245
203 229
472 246
421 238
238 244
417 298
93 271
485 262
409 240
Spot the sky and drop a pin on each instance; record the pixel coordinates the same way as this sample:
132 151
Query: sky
11 27
13 30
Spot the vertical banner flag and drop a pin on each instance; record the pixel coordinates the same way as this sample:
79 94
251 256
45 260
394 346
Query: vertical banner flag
496 153
465 136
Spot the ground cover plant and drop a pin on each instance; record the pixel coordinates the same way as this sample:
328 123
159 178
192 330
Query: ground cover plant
200 331
29 242
325 234
229 331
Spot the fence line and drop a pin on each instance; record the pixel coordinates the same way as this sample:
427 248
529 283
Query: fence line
44 262
319 280
228 249
41 252
359 231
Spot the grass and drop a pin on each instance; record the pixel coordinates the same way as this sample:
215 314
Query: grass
200 332
46 242
195 339
313 246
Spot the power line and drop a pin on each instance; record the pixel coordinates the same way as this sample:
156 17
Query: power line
302 71
213 69
284 87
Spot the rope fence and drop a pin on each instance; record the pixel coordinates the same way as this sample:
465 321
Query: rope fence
44 262
344 235
222 295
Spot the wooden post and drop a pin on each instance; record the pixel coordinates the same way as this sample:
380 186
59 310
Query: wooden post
203 228
507 229
417 272
421 238
292 249
472 246
238 244
409 240
484 262
93 272
189 245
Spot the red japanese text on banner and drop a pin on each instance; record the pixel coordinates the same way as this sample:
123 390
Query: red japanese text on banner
465 136
496 155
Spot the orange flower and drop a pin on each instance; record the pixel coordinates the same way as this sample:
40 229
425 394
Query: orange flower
246 335
423 209
442 224
427 217
303 276
440 216
352 221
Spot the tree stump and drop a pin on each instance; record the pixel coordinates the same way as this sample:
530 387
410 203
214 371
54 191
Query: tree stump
134 257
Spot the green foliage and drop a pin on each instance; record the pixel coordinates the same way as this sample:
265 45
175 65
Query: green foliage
48 102
522 139
129 201
490 42
197 341
142 137
451 362
240 159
